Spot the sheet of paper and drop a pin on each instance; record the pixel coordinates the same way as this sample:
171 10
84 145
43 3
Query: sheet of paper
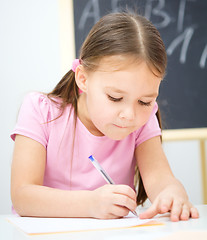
186 235
31 225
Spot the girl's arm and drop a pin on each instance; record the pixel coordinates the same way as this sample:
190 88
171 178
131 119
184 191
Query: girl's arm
31 198
164 191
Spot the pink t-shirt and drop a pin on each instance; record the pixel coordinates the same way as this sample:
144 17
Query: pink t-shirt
67 164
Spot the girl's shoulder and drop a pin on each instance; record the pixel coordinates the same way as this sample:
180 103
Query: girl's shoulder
39 99
38 116
41 104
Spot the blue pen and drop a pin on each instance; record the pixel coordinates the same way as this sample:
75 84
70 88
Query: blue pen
103 173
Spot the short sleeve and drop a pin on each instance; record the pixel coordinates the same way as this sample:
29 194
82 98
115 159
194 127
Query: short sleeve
33 118
150 129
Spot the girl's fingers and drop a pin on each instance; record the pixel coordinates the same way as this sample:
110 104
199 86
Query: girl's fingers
159 206
110 216
125 190
179 211
118 200
165 205
176 211
185 214
119 211
113 201
124 201
150 212
194 212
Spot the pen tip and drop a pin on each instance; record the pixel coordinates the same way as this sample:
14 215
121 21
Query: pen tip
91 158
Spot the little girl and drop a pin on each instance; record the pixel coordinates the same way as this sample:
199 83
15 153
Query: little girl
104 106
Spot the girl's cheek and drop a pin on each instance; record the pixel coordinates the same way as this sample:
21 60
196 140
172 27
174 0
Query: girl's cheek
143 117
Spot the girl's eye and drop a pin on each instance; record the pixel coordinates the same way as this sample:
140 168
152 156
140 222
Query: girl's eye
144 103
114 99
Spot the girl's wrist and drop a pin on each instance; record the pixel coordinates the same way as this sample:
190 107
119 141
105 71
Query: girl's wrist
85 207
91 204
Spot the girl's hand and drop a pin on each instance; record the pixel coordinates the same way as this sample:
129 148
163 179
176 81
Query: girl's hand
113 201
172 199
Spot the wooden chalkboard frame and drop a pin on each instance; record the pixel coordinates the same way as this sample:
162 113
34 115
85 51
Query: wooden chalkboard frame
67 36
199 134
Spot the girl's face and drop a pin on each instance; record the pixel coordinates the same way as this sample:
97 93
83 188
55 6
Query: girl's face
117 102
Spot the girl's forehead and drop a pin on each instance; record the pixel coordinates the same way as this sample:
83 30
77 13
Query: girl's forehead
131 78
123 62
117 63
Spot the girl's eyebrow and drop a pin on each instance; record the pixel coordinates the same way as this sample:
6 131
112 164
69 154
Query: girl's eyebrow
154 94
115 89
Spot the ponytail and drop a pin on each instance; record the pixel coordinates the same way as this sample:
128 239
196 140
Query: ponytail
67 90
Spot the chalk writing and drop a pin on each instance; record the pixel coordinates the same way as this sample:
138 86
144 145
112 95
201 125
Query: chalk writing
181 14
87 13
115 5
185 37
157 11
203 57
154 8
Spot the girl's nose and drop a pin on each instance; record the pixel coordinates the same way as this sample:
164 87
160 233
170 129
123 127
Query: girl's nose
127 113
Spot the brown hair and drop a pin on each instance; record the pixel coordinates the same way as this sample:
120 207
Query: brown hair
121 33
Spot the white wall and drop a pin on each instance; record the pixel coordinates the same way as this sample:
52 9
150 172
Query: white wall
30 60
184 159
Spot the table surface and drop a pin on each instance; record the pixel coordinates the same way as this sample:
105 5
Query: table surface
10 232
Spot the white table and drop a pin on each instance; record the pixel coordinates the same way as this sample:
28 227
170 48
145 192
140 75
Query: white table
10 232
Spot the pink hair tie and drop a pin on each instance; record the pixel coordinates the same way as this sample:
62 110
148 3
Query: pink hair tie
75 63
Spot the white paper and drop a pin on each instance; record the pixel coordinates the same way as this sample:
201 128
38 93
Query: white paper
31 225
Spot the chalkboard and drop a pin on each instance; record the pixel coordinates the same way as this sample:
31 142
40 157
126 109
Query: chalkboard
183 27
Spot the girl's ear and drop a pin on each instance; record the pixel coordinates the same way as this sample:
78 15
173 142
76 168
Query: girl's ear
81 78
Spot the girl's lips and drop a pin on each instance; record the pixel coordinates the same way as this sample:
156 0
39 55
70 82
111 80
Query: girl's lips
119 126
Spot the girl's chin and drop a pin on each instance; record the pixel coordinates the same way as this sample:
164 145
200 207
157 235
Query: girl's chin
116 136
116 132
